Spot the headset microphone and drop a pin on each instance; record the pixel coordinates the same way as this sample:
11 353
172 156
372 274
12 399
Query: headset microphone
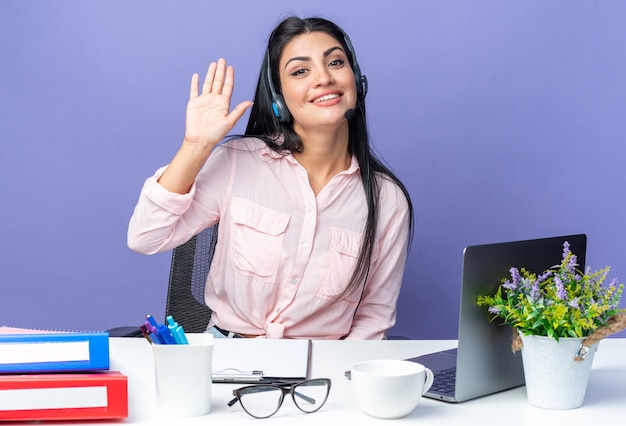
361 92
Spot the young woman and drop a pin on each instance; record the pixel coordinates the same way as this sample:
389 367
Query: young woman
313 228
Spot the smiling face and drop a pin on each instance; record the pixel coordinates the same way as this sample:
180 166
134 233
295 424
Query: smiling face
317 81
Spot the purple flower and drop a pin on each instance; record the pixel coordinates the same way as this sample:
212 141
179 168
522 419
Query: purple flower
566 250
572 260
574 303
572 263
515 275
508 285
544 277
494 310
534 291
561 293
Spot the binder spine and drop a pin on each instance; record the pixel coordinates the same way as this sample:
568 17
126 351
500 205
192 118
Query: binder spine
71 396
49 353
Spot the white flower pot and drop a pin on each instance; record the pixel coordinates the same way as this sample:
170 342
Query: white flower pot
554 380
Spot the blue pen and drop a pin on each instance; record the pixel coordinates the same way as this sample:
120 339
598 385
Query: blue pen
162 331
176 330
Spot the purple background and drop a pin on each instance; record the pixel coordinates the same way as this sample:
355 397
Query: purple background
506 120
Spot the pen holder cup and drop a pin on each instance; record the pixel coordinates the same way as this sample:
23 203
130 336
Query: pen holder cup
183 376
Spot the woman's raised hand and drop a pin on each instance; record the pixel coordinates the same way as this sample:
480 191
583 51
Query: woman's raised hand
208 121
209 118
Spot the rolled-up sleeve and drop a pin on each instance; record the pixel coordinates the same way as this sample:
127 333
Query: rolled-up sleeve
155 217
163 220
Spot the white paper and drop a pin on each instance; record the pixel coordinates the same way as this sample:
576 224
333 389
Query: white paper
285 358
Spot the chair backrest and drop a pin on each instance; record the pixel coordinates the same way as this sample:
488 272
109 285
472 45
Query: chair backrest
188 273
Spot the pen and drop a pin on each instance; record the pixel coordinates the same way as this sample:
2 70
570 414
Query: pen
161 332
146 333
235 375
152 333
177 331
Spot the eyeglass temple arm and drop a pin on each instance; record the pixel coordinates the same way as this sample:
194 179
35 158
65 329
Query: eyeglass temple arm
306 398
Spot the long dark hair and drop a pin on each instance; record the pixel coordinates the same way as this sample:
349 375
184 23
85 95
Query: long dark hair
264 124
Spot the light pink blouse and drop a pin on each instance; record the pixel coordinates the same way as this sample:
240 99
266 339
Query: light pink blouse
283 254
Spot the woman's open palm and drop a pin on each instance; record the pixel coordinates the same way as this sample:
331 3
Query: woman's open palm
209 118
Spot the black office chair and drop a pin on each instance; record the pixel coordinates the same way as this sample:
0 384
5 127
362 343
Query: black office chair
190 266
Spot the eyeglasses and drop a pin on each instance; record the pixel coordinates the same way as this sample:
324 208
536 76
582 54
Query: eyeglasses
262 401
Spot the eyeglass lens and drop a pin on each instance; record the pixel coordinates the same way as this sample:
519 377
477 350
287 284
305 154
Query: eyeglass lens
311 395
264 400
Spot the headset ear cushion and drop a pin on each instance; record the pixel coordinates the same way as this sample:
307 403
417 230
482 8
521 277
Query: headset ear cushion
275 108
280 109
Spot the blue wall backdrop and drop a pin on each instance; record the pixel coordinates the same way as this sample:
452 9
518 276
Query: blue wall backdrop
506 120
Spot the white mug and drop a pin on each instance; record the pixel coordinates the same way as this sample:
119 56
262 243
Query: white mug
389 389
183 376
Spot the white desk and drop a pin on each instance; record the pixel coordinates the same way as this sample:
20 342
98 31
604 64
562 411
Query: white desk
605 401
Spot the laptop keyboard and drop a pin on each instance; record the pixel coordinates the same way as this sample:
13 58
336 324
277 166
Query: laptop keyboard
443 382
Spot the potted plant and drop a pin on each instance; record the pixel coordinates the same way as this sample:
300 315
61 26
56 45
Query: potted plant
557 317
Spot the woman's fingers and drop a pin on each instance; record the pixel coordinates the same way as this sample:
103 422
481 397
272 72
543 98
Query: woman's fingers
210 77
229 82
238 112
193 90
219 80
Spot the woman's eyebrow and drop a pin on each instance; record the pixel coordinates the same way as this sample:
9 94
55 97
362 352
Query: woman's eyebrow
331 50
308 58
297 58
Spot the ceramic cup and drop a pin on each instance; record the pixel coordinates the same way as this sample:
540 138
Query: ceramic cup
389 389
183 376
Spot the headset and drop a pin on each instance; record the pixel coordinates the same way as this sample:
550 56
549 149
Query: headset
278 103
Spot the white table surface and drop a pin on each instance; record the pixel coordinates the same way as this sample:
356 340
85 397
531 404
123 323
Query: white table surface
605 400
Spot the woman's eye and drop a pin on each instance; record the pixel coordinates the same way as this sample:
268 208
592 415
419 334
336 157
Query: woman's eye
337 62
299 72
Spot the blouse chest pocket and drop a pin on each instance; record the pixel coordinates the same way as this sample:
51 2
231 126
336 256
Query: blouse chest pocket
343 254
258 234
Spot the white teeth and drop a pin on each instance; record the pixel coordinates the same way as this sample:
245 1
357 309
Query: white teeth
327 97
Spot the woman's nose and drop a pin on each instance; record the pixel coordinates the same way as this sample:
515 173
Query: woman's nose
324 77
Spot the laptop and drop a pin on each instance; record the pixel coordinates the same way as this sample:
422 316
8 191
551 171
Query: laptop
483 363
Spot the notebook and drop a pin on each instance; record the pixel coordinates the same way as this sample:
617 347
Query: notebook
483 363
261 360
